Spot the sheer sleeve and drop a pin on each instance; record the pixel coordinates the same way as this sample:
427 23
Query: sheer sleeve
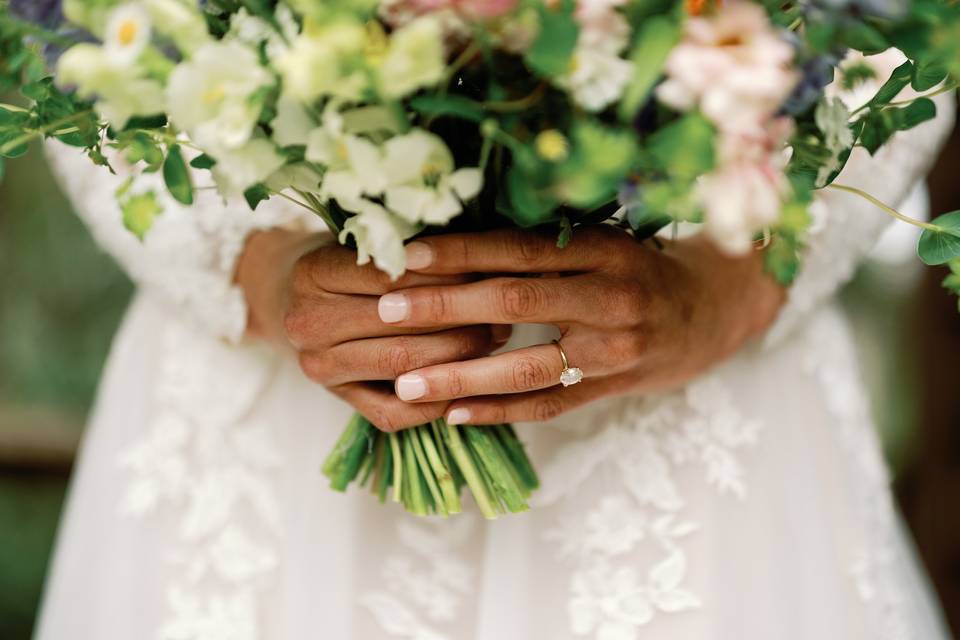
188 257
847 226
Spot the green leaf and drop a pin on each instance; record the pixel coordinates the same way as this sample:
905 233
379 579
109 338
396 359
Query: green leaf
684 148
203 161
899 79
3 165
862 37
926 75
177 177
917 112
646 222
256 194
38 91
782 259
139 213
566 233
550 54
653 44
456 106
941 245
530 205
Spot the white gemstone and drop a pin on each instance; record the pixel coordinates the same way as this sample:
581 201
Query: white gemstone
570 376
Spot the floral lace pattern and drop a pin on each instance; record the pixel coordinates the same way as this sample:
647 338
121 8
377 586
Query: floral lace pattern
627 557
202 458
426 575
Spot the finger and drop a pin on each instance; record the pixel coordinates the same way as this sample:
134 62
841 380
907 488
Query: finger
387 358
513 251
378 405
498 301
519 371
334 269
538 406
318 323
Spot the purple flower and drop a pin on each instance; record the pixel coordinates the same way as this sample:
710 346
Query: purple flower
46 13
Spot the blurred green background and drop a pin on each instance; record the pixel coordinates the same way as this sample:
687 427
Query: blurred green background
61 300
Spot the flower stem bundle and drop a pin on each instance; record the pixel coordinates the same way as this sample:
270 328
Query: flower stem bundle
427 467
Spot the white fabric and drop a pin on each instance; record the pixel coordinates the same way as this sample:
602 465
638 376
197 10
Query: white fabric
753 504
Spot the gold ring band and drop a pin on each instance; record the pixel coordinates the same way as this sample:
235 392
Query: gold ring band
570 375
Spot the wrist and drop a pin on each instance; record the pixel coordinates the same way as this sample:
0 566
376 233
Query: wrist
263 273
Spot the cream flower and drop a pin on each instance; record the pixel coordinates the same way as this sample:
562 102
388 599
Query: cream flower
414 58
424 187
833 119
733 64
210 95
120 91
325 62
240 168
127 34
180 21
379 235
293 122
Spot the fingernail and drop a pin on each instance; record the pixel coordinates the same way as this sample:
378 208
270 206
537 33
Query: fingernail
501 333
410 387
419 255
393 307
458 416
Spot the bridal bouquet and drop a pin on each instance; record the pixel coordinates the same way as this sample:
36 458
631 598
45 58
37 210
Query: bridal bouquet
393 118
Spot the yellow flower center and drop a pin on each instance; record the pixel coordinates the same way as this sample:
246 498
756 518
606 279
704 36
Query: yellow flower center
342 151
551 145
214 94
127 32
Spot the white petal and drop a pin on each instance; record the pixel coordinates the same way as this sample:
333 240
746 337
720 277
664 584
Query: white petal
675 601
466 183
408 202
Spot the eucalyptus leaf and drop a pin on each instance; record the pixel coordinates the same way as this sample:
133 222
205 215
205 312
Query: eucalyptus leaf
550 53
941 245
653 44
176 176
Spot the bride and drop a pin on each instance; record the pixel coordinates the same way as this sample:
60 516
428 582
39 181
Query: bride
715 475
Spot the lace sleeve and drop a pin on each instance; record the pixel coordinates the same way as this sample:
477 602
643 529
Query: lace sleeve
848 226
188 257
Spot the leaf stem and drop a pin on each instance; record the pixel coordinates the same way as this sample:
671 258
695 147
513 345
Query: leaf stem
42 131
884 207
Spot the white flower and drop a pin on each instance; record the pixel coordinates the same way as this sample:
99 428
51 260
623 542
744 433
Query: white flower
293 123
240 168
119 90
180 21
833 119
127 35
379 235
598 74
423 184
354 164
210 95
325 62
733 64
414 58
301 177
254 30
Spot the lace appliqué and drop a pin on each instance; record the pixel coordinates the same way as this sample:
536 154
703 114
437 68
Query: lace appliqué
627 554
200 456
831 359
427 578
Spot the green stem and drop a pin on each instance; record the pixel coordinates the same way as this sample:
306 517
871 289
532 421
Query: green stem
884 207
417 504
397 467
504 481
520 104
42 131
451 500
470 473
426 470
13 107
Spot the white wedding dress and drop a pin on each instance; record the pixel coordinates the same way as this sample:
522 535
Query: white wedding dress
751 505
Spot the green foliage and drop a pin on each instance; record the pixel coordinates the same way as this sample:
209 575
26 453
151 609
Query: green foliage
684 149
139 211
449 105
177 177
256 194
880 124
654 41
942 244
550 53
952 281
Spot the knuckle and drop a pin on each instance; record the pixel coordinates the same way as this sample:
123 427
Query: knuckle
383 420
314 367
396 359
628 304
547 408
437 305
528 248
455 382
519 299
297 324
627 346
530 373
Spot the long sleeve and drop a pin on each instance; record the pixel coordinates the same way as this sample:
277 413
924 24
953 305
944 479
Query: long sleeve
849 225
188 257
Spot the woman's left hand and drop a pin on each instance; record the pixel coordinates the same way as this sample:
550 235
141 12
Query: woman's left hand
632 317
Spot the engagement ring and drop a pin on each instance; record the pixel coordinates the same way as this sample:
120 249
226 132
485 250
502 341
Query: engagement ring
570 375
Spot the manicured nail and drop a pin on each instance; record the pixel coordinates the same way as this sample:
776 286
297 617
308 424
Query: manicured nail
458 416
419 255
501 333
410 386
393 307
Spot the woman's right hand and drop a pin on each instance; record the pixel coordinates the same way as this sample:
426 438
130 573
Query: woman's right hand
307 292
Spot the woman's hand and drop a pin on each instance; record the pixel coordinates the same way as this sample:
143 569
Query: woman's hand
305 291
634 318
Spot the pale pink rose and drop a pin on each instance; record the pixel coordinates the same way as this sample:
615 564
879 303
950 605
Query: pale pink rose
486 9
731 64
